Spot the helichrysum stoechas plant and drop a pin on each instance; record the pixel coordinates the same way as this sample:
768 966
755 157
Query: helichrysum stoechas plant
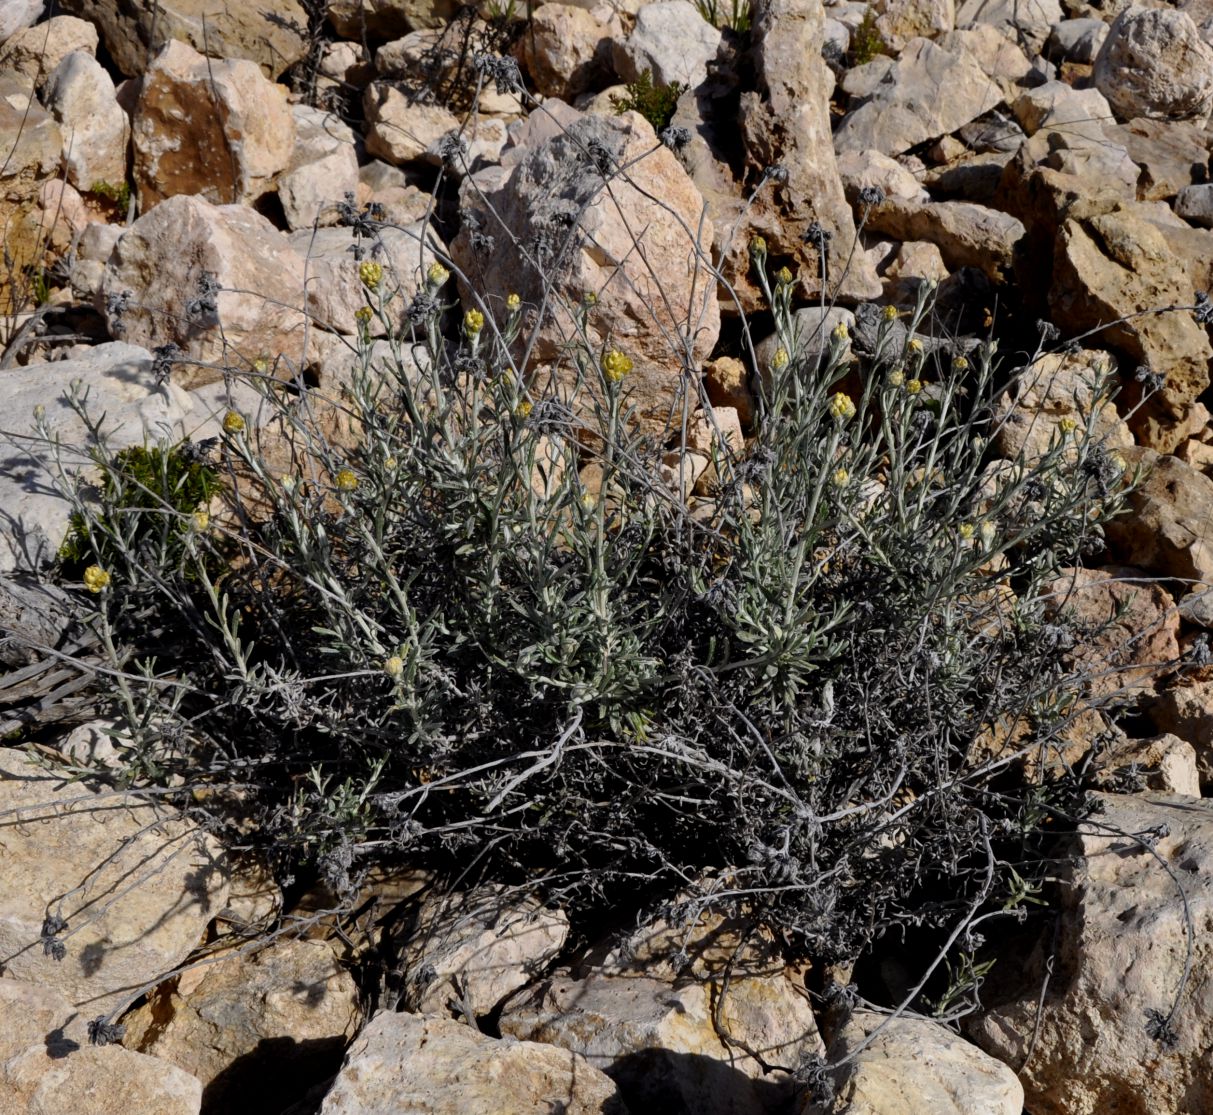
513 646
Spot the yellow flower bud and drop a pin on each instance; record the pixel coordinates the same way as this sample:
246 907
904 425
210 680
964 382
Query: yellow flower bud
914 345
839 332
389 463
436 275
346 480
523 409
1067 425
513 303
473 322
261 365
913 386
758 246
371 273
960 364
841 407
780 360
394 666
233 423
202 520
96 579
783 277
615 365
966 531
897 377
841 478
363 315
890 313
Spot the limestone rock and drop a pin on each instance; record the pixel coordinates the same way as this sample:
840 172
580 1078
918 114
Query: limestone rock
1165 764
135 900
655 1037
899 21
967 235
1122 946
1078 40
861 170
121 384
475 949
217 130
1018 20
112 1081
1195 204
566 49
81 97
1186 710
914 1065
322 170
1154 63
19 14
402 131
909 110
547 192
387 19
1166 531
271 33
34 53
1056 387
164 259
727 384
433 1066
257 1030
998 56
1126 625
1115 264
1172 154
672 41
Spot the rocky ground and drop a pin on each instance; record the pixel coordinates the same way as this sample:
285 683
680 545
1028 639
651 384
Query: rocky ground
181 191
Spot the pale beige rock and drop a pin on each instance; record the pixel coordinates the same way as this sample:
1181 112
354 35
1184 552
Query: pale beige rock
434 1066
271 33
111 1081
162 260
1198 454
967 235
728 385
917 1066
257 1030
999 56
914 264
899 21
323 168
254 898
1126 627
1058 386
135 902
866 169
1117 965
215 129
672 41
1115 264
907 110
566 49
34 53
1018 20
1172 154
31 1014
80 95
18 14
472 950
682 472
335 289
402 132
708 434
1186 710
387 19
1165 764
644 300
1167 528
1154 63
121 385
657 1038
93 248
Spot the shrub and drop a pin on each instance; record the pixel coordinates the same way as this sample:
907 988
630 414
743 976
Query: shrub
866 41
812 698
656 103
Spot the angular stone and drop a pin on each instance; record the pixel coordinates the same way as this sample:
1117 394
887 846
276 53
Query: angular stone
1195 204
1165 764
34 53
387 19
914 1065
1115 265
402 131
258 1030
214 129
672 41
1154 63
1019 20
271 33
1078 40
728 385
135 899
1118 963
19 14
1166 531
900 21
469 951
1186 710
566 49
323 168
163 260
909 110
1057 387
967 235
433 1066
656 1038
998 56
81 97
121 384
1172 154
861 170
645 299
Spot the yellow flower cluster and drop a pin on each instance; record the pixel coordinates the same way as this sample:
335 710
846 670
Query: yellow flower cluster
841 478
913 386
523 409
233 423
890 313
473 322
780 360
346 480
371 273
783 277
363 315
1067 425
202 520
96 579
615 365
436 275
394 666
841 407
513 303
897 377
839 332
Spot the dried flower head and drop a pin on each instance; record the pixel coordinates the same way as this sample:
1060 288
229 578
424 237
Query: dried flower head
96 579
914 345
615 365
897 377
